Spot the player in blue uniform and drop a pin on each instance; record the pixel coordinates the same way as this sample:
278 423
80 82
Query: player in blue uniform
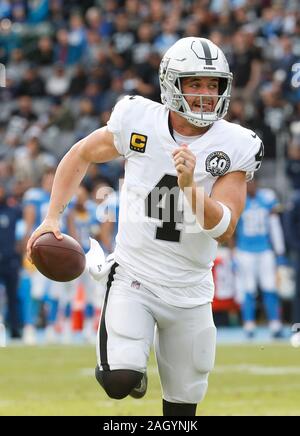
35 203
85 221
107 213
259 239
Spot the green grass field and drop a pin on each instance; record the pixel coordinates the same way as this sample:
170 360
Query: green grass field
247 380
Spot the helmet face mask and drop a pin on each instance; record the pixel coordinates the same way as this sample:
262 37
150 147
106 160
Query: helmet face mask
194 57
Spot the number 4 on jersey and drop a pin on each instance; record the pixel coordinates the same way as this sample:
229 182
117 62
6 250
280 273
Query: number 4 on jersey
162 204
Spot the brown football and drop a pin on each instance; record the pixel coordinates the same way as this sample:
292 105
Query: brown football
60 260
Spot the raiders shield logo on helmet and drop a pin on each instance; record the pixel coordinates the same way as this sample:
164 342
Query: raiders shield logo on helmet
217 163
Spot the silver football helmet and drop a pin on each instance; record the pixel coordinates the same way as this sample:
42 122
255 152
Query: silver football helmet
192 57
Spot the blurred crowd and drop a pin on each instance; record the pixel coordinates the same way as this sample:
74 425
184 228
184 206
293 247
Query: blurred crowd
67 63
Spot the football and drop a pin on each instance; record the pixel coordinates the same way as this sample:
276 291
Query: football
59 260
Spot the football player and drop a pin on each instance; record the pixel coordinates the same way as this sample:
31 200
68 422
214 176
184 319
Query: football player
35 202
260 249
85 222
184 190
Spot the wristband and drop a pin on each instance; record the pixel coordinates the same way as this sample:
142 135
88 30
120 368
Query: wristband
222 225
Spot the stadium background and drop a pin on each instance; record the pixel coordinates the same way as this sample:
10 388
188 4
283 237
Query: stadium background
67 63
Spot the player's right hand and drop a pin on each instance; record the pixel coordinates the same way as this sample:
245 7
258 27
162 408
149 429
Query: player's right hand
185 162
47 226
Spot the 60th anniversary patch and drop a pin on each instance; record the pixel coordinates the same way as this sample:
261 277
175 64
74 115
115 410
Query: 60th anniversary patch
217 163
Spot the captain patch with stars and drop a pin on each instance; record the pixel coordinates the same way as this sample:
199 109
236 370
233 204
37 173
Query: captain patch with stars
217 163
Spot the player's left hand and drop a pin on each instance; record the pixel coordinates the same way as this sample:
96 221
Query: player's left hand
185 162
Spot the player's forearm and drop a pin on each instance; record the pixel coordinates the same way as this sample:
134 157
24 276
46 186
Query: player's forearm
207 210
29 219
69 174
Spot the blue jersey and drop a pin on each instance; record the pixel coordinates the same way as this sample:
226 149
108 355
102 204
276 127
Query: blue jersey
84 222
39 199
109 210
253 229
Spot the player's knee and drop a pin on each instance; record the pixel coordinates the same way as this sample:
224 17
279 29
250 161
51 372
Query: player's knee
201 390
118 383
203 359
195 392
188 393
204 350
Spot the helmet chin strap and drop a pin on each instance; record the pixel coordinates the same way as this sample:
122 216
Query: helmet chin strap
198 123
191 120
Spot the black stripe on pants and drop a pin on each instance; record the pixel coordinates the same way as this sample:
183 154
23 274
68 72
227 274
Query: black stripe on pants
102 329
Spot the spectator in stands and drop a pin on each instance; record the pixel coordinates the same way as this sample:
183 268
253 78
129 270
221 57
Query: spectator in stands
64 52
96 46
7 149
111 96
87 122
272 107
60 115
123 38
22 117
19 13
143 46
246 63
24 111
43 52
9 40
31 162
133 12
78 81
17 65
32 83
242 112
58 84
168 36
6 175
38 11
98 22
57 14
94 92
293 162
5 9
77 36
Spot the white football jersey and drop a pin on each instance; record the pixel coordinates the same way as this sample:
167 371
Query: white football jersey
159 241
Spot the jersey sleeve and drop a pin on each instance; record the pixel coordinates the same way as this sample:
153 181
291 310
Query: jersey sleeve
20 230
116 123
250 155
31 197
